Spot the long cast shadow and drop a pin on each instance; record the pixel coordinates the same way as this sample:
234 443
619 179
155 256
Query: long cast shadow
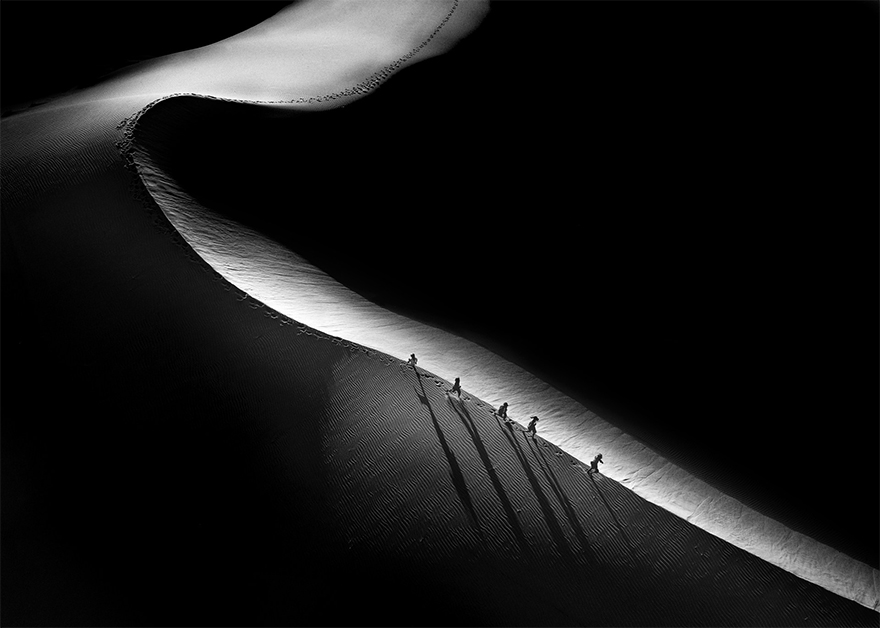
455 470
552 523
493 476
563 498
613 516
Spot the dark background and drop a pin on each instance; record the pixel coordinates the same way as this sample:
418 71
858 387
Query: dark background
669 210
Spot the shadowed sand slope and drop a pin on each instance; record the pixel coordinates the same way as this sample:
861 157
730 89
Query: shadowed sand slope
471 495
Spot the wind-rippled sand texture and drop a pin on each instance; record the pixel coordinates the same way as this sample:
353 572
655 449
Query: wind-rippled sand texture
454 489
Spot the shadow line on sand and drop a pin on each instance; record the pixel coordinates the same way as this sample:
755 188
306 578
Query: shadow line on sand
490 470
552 523
570 512
611 512
546 508
454 469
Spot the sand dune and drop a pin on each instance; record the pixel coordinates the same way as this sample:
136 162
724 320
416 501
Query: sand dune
235 231
179 451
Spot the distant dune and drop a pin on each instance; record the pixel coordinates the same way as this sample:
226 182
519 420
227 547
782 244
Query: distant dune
179 448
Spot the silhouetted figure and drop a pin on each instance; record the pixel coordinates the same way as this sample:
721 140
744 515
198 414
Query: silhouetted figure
532 429
456 387
413 360
502 411
594 466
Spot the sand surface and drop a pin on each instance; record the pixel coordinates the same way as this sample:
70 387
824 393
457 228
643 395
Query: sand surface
241 464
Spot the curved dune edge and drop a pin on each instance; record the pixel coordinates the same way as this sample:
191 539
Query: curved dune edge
278 278
265 272
339 49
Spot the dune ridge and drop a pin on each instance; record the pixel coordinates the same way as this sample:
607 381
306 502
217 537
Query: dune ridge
362 45
286 282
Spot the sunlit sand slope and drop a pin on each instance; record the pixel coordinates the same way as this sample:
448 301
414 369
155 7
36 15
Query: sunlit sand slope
325 52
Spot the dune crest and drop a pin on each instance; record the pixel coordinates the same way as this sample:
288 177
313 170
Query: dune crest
311 53
283 280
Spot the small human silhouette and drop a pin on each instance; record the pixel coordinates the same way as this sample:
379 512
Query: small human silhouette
413 360
532 429
502 411
594 465
456 387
